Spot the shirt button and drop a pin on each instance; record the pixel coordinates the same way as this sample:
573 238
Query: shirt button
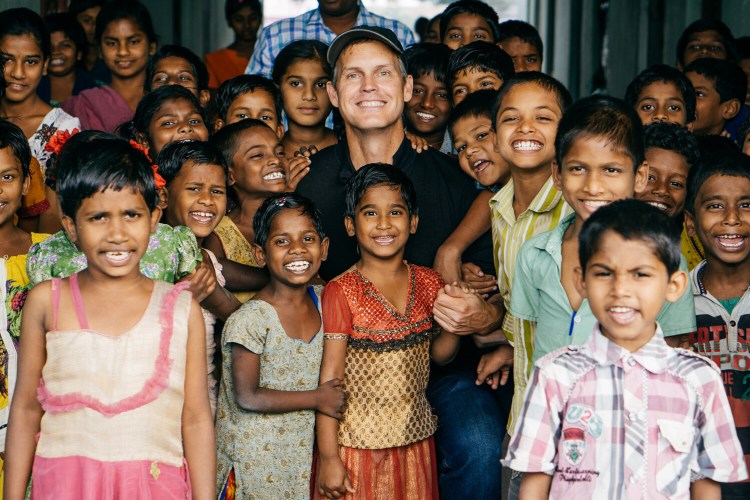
733 323
577 320
633 416
631 361
633 479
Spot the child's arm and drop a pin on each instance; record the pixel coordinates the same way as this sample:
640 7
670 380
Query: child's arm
494 367
327 398
444 347
475 223
332 479
535 485
705 489
26 412
198 438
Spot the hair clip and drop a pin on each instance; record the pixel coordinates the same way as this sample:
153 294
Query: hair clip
57 141
281 201
158 179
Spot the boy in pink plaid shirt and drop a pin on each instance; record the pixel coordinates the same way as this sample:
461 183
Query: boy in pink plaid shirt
624 415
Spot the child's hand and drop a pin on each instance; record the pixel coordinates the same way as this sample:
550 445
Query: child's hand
202 280
331 398
299 166
418 143
494 367
333 480
474 277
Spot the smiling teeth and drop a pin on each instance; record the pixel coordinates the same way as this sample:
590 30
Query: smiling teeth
203 215
117 256
273 176
425 116
621 309
597 204
372 104
660 206
739 240
527 146
298 266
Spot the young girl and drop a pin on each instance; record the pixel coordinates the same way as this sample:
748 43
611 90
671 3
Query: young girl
111 399
66 75
167 114
176 65
271 350
244 17
378 323
15 157
25 45
301 72
86 12
126 39
196 178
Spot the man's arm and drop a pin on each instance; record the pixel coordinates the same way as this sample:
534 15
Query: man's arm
461 312
261 63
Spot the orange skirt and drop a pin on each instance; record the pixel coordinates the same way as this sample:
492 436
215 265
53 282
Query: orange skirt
404 473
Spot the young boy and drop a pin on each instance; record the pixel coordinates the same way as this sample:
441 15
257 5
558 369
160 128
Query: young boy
249 96
428 109
720 88
717 211
671 151
467 21
477 66
177 65
599 158
521 41
705 38
662 93
624 415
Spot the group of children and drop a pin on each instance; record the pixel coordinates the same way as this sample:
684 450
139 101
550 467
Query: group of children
115 389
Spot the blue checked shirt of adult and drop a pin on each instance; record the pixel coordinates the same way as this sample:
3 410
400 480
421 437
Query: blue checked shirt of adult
310 26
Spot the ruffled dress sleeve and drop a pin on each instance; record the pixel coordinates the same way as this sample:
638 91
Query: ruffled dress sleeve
337 316
188 253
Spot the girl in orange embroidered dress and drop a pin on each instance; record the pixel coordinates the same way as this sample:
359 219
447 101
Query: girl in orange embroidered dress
379 336
112 371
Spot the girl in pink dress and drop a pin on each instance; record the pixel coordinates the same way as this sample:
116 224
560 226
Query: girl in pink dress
111 399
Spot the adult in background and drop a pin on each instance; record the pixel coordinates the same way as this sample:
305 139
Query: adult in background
369 87
331 18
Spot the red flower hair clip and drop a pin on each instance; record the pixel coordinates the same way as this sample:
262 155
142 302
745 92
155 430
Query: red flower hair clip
158 179
57 141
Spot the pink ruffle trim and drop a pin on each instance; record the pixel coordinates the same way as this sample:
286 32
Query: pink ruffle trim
152 388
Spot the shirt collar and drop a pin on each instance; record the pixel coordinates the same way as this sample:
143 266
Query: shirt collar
654 356
552 240
362 17
403 158
545 200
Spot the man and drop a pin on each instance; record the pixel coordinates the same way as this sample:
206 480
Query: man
369 88
331 18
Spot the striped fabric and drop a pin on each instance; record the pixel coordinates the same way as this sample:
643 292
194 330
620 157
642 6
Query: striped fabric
608 423
509 233
310 26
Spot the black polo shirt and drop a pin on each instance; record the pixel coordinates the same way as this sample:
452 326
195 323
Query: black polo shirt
444 194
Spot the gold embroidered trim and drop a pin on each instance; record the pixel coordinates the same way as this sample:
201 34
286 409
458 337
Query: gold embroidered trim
335 336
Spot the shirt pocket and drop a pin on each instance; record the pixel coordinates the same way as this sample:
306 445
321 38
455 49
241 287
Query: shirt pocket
675 449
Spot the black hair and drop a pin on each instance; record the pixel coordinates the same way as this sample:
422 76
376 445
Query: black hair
232 6
300 50
199 67
483 56
11 136
729 162
274 205
376 174
242 84
743 47
662 73
23 21
72 29
601 116
75 141
104 163
728 79
3 84
514 28
633 220
150 104
226 138
700 26
475 7
78 6
176 154
425 58
474 105
543 80
672 137
125 9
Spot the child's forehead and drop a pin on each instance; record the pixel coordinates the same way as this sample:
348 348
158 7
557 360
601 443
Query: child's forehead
193 169
531 94
14 44
428 79
259 136
470 122
612 249
254 95
699 80
706 36
174 63
518 44
661 87
718 183
468 20
8 158
383 193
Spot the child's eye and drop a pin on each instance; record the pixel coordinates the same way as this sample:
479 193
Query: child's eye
677 185
486 84
745 205
257 156
8 177
281 241
186 78
454 36
613 170
295 83
132 215
674 108
461 148
698 93
479 36
321 85
135 41
602 274
369 213
651 178
418 91
641 274
241 116
482 135
714 206
265 118
443 96
166 123
647 107
544 118
507 119
309 239
218 191
459 91
195 121
396 213
576 168
531 60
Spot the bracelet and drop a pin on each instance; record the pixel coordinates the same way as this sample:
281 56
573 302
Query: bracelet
335 336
